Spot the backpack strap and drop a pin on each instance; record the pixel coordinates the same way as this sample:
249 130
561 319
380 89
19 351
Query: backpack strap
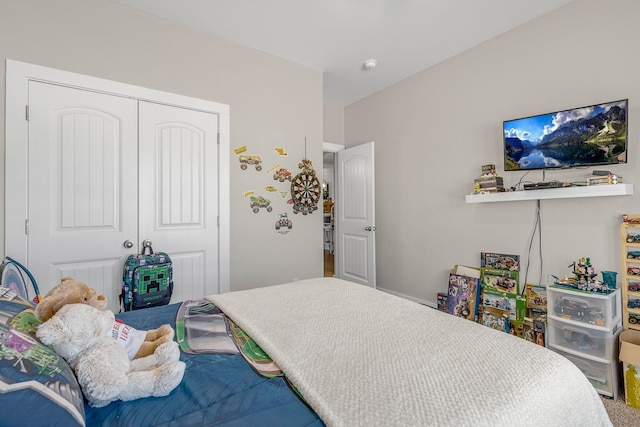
146 244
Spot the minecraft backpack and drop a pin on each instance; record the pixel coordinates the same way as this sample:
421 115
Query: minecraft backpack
147 280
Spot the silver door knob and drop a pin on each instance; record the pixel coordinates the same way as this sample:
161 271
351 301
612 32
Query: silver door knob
146 243
128 244
370 228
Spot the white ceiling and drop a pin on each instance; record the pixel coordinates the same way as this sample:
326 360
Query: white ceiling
338 36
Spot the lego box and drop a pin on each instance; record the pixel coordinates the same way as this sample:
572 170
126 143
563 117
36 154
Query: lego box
496 318
489 182
442 301
500 280
514 303
463 292
536 297
630 358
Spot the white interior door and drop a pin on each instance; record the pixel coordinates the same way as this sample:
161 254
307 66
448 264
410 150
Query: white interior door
178 194
355 215
82 186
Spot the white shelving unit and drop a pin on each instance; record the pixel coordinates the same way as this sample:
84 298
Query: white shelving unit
553 193
630 282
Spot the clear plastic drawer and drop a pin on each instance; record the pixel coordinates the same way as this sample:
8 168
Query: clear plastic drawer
589 308
582 340
603 376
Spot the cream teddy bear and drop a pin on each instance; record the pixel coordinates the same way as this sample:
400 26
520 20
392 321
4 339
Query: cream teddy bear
72 291
79 333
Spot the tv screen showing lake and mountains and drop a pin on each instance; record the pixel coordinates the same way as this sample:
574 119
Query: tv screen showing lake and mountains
585 136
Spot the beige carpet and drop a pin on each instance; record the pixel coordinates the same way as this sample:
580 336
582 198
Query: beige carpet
620 413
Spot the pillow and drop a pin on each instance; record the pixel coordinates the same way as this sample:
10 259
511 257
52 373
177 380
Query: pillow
36 385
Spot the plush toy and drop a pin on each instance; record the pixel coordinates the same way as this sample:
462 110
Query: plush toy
72 291
79 334
68 291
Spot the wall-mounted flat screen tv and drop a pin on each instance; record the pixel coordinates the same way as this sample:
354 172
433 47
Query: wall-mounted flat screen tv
580 137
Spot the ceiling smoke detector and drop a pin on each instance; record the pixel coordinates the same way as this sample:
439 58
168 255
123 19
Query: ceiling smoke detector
369 64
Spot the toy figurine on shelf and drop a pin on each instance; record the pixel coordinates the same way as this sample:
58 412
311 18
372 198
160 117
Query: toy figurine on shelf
489 181
584 278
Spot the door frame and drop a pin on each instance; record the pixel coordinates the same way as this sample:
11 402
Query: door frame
18 75
329 147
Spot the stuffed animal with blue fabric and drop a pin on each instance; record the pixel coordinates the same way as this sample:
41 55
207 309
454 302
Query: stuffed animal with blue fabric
79 333
71 291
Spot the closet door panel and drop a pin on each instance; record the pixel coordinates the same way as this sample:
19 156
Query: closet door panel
179 193
82 204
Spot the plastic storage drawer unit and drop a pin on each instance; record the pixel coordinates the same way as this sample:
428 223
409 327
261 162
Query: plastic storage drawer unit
588 308
583 340
603 376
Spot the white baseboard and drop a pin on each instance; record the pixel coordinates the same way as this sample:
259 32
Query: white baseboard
419 301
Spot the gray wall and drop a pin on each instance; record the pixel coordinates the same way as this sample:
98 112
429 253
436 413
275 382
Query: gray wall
434 131
333 124
273 103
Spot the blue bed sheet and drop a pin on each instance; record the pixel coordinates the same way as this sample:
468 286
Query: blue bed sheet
217 389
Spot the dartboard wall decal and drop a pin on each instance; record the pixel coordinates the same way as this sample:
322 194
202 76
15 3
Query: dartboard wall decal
305 189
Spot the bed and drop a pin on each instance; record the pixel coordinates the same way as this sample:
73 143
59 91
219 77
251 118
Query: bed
357 356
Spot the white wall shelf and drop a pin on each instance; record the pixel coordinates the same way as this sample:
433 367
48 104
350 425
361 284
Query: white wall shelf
553 193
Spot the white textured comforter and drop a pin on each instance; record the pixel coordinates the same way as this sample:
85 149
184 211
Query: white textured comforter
362 357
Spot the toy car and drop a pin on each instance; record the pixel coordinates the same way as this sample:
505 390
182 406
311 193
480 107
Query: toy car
634 318
246 160
575 309
634 271
630 219
634 287
284 221
572 309
257 202
633 254
634 303
633 238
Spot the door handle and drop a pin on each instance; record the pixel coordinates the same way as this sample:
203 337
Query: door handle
370 228
128 244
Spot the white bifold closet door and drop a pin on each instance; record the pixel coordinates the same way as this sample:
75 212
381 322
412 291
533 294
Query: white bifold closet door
107 172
